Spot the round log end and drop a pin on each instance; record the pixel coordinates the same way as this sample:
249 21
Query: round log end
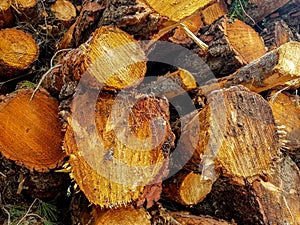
18 50
115 58
244 40
64 10
122 216
31 131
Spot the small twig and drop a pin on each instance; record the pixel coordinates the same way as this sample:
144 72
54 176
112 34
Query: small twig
41 80
12 79
52 67
8 214
200 43
56 53
277 93
252 20
289 84
2 174
27 213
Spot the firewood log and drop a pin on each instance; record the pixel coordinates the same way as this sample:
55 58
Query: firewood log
30 147
31 131
18 50
121 149
232 44
84 25
122 216
111 56
278 196
282 25
6 16
64 11
286 112
273 199
186 187
225 130
271 70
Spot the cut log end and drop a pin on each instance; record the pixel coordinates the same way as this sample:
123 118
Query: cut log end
187 188
244 40
118 152
31 131
18 50
64 11
122 216
129 65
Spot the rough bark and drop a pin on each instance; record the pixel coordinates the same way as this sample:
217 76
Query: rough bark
271 70
258 10
282 24
232 44
125 69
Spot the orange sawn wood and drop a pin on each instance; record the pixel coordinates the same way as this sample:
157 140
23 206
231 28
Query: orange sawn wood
30 130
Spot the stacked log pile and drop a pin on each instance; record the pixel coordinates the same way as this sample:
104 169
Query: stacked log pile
149 112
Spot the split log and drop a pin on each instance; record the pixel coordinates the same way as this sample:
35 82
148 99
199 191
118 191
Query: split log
64 11
185 218
122 216
232 44
18 50
286 112
125 69
271 70
6 16
31 131
186 187
118 149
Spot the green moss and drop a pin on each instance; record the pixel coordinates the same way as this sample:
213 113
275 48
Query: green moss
237 9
